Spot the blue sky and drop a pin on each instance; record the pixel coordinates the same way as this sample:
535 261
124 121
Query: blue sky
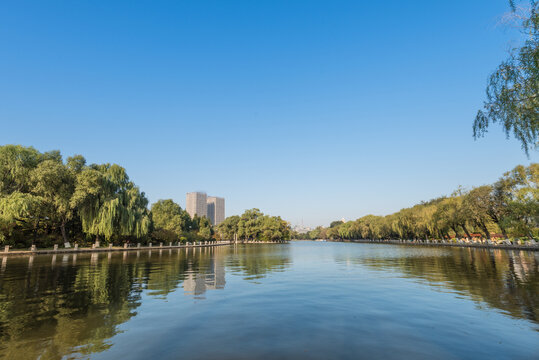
312 110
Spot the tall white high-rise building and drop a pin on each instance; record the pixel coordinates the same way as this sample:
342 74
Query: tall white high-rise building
196 204
216 209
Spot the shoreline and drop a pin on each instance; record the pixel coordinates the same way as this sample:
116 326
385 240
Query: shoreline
18 252
433 243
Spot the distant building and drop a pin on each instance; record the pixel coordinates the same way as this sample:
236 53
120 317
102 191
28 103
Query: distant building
196 204
216 209
212 207
301 229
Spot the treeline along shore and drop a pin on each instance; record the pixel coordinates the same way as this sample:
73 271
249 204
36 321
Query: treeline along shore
503 213
47 202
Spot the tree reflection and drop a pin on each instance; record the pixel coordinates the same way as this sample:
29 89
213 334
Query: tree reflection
256 261
56 306
48 311
507 280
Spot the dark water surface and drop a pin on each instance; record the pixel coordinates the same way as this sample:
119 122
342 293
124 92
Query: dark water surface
301 300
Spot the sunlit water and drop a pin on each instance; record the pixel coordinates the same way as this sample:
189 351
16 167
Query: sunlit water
301 300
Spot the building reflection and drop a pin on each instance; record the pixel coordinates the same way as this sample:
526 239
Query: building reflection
69 306
211 276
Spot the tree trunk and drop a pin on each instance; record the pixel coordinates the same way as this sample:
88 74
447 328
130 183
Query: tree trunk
34 238
63 229
484 227
497 222
456 231
466 231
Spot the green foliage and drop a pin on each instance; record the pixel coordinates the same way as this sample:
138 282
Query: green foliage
20 211
254 225
205 229
335 223
16 163
43 196
513 89
229 227
55 184
510 206
76 163
109 204
169 216
522 198
172 224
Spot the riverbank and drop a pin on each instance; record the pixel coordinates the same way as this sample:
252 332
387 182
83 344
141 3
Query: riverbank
462 243
137 247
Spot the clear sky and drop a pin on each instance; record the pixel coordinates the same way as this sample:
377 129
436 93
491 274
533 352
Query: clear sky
312 110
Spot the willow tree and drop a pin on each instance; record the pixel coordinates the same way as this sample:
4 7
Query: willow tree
522 198
376 227
451 213
22 210
425 224
16 163
477 203
109 204
513 89
55 184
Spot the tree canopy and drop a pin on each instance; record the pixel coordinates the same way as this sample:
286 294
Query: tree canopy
513 89
42 195
254 225
45 199
509 207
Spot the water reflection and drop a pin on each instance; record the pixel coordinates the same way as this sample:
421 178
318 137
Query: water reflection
506 280
253 264
53 306
211 276
333 300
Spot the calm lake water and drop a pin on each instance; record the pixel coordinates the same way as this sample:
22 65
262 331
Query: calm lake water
310 300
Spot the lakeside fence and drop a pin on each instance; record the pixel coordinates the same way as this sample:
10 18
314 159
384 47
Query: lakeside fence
126 247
